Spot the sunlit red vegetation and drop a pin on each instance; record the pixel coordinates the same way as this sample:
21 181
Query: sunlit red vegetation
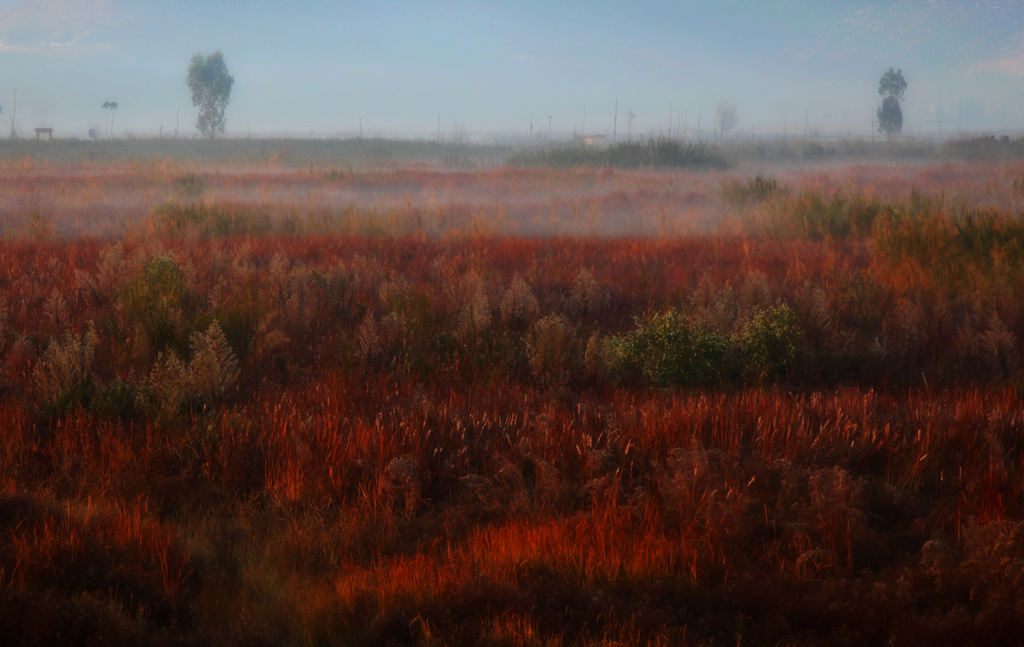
773 410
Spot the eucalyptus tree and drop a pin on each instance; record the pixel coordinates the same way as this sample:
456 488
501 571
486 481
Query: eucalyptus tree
210 83
891 87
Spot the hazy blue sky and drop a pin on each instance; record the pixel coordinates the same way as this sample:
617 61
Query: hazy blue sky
487 68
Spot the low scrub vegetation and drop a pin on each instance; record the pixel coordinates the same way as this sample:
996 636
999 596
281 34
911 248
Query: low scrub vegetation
651 153
238 424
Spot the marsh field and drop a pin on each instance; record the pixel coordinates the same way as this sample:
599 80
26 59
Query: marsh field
257 393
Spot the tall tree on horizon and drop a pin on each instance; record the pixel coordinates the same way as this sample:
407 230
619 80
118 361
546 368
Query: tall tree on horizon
109 106
211 85
891 87
727 119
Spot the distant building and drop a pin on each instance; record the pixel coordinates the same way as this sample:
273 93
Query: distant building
44 134
597 141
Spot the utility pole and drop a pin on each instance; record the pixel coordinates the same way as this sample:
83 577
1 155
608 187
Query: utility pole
549 128
14 115
439 127
805 123
615 121
531 131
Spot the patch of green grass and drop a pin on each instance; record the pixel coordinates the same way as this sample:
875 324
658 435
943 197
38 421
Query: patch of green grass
757 189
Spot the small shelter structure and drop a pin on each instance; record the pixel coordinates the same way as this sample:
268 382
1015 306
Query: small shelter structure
44 134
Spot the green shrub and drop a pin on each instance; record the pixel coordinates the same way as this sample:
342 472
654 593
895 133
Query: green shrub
157 301
769 343
669 349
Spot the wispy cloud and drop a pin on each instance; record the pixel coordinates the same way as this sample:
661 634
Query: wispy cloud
947 33
54 26
1008 61
1011 66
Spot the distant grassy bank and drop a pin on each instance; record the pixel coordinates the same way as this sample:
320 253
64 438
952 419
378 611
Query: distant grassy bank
652 153
285 152
661 153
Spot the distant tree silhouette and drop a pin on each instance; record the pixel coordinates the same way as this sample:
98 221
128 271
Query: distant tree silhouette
211 84
727 119
109 105
890 116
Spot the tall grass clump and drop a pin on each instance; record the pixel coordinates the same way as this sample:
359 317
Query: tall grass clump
810 215
980 249
842 214
64 374
173 218
206 379
160 304
757 189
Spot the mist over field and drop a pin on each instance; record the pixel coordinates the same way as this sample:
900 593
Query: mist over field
518 72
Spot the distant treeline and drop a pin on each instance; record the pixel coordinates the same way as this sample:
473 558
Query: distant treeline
651 153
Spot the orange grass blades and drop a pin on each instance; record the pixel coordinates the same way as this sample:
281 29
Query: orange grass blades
261 402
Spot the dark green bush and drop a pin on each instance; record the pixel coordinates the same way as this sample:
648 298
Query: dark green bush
672 349
157 301
117 399
669 349
768 345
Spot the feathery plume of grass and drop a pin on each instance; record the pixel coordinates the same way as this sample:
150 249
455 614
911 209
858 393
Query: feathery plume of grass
63 375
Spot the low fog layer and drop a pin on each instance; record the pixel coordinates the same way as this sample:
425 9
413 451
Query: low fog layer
122 198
